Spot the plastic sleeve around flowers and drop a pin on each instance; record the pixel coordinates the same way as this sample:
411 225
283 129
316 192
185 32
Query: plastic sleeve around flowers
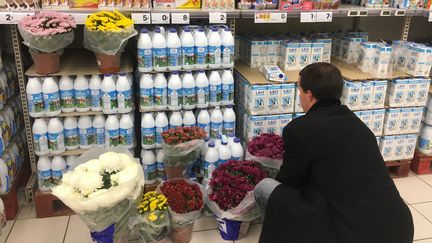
148 231
183 219
181 154
267 162
247 210
108 42
47 43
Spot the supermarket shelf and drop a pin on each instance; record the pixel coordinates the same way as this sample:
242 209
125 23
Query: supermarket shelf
184 70
255 76
71 63
167 110
75 113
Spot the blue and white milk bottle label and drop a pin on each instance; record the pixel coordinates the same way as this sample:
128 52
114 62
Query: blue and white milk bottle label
71 137
100 135
174 57
124 99
109 100
227 92
146 97
160 58
160 96
36 103
44 179
67 98
56 141
41 142
215 129
188 55
111 137
228 127
150 172
173 97
159 131
96 98
126 137
52 101
189 96
202 95
148 136
228 54
86 136
214 55
57 176
82 98
145 59
201 54
215 93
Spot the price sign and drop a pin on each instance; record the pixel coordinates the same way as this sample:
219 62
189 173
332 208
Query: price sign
363 13
160 18
385 13
80 18
353 13
324 17
13 18
217 18
180 18
261 18
141 18
308 17
400 12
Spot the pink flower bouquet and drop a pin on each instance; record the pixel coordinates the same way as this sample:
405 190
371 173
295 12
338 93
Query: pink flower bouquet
267 149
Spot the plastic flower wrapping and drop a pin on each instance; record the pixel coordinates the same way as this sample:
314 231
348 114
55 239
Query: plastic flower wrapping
231 190
47 31
181 145
102 188
107 32
151 221
267 149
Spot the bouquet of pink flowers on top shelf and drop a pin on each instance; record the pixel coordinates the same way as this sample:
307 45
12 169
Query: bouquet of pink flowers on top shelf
267 149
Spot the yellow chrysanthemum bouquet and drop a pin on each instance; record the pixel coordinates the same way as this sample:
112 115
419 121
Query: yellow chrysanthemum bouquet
152 222
106 34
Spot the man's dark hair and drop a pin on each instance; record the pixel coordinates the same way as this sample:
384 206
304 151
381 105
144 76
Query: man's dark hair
323 80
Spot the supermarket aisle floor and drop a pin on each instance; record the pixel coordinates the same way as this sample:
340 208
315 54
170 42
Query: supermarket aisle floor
415 190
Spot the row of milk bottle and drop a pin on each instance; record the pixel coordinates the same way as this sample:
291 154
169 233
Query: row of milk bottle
186 91
195 47
11 162
50 170
153 165
8 83
215 123
48 97
11 122
218 152
55 136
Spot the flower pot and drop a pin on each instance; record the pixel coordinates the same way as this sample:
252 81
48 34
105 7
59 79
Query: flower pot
174 171
46 63
181 234
233 229
108 63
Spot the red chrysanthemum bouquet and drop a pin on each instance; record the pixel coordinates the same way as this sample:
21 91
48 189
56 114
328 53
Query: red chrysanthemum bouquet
181 148
230 196
185 200
267 149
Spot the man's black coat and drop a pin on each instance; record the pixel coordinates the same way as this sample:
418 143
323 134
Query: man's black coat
335 186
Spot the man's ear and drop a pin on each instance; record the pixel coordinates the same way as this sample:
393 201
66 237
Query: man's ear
309 95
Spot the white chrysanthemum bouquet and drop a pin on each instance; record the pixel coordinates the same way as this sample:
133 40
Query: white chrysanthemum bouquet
103 189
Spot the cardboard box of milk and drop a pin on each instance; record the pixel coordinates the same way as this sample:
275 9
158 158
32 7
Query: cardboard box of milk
367 95
256 126
273 96
366 56
411 92
415 119
317 52
382 60
351 95
417 60
396 96
379 93
366 117
272 55
351 49
327 51
305 54
255 50
297 108
399 147
290 56
263 52
404 120
378 122
391 121
422 91
284 119
257 99
287 98
272 124
410 146
387 147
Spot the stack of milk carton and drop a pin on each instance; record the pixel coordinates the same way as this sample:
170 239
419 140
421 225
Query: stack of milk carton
375 58
408 92
412 58
364 95
398 147
346 45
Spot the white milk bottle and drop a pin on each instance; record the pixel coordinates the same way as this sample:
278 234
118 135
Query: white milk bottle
237 151
188 49
215 87
214 48
150 166
109 94
425 140
231 137
160 57
174 50
203 120
148 131
67 94
70 160
227 87
40 137
160 92
227 49
126 131
189 119
189 96
51 96
124 94
95 92
229 119
218 142
44 174
160 165
146 92
112 127
211 160
35 98
145 56
175 92
6 184
216 120
82 94
58 168
224 153
99 130
175 120
201 45
202 90
55 136
71 134
86 132
161 124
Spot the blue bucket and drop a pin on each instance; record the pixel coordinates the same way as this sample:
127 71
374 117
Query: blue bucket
232 229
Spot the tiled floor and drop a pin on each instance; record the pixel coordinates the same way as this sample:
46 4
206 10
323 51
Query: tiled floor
415 190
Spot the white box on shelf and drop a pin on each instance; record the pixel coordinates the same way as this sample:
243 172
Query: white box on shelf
290 56
367 118
273 96
423 85
317 52
367 89
327 51
387 147
257 99
287 98
366 57
382 60
410 146
351 49
378 122
405 120
379 93
391 121
416 117
399 147
272 125
418 60
297 108
351 95
284 119
256 126
397 93
411 92
272 54
305 54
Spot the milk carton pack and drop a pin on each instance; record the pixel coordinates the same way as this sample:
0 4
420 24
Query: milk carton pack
410 145
257 99
272 125
415 121
290 56
422 91
391 121
273 96
382 60
405 120
366 56
317 52
272 55
305 54
327 50
387 147
399 147
367 89
379 93
378 122
351 95
254 56
418 60
297 108
256 126
284 119
263 52
286 104
396 96
351 49
411 92
367 118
